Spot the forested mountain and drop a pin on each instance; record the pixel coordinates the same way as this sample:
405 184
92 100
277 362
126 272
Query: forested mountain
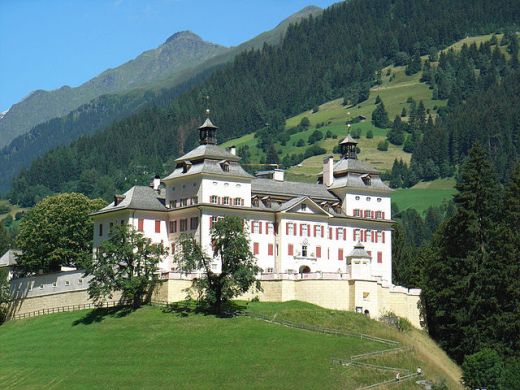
180 52
105 109
482 85
319 59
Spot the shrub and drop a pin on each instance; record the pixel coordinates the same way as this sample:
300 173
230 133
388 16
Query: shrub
483 369
382 146
313 150
315 109
300 143
355 133
4 209
370 134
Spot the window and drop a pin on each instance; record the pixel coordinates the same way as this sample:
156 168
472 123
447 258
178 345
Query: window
194 223
367 214
340 254
67 283
256 248
111 226
357 198
341 234
379 257
290 229
269 249
367 180
41 286
140 225
303 207
270 270
100 229
379 199
318 252
305 230
255 227
54 284
379 215
368 235
213 199
369 198
173 204
290 250
270 228
213 220
173 226
304 250
195 199
80 281
226 200
238 201
173 248
357 235
184 201
184 225
157 226
357 213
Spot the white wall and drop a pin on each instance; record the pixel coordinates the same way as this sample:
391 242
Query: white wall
223 186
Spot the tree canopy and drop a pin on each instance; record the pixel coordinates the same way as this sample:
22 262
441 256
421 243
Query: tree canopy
57 232
127 263
238 265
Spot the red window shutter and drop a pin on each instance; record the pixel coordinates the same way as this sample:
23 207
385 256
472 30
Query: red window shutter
157 226
173 248
369 254
295 229
140 225
266 228
315 228
255 248
270 249
373 236
354 234
337 233
379 257
344 234
322 231
373 214
383 215
290 250
330 233
260 226
340 254
252 226
318 252
383 237
287 228
301 229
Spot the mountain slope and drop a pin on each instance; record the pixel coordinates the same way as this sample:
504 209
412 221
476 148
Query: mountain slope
104 110
317 61
179 52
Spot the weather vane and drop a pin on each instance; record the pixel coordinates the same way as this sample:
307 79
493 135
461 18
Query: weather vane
207 106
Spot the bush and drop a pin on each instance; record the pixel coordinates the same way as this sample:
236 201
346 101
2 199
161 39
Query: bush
483 369
382 146
315 137
4 209
305 122
315 109
328 134
370 134
313 150
300 143
355 133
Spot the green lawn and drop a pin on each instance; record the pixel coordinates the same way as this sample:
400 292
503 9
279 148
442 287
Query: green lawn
424 195
150 348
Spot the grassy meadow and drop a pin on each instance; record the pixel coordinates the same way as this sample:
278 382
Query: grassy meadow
154 348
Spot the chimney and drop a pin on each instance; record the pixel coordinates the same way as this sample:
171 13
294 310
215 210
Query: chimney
156 182
328 174
233 150
278 174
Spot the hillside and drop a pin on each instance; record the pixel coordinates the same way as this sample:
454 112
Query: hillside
258 87
158 86
179 52
185 350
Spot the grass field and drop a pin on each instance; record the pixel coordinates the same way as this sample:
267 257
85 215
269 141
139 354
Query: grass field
150 348
424 195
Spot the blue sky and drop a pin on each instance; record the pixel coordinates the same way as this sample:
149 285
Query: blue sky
45 44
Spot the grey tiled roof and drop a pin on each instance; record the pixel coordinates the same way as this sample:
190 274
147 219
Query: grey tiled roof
290 189
139 198
353 165
212 167
291 203
358 251
9 258
354 180
348 140
208 152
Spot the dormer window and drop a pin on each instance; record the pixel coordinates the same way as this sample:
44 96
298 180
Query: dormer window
367 180
225 166
303 207
186 167
255 201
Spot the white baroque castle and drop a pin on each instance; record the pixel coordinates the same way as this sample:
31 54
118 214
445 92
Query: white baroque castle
339 229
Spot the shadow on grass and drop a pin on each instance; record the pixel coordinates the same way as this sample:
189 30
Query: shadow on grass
187 308
98 315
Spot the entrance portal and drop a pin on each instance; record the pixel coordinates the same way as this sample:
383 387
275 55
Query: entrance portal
304 269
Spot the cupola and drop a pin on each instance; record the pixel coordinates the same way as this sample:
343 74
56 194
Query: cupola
348 147
207 132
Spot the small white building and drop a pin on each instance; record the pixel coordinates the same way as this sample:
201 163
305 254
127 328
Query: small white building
8 262
294 228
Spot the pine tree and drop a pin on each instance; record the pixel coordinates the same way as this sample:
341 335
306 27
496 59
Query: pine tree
380 116
451 281
396 133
